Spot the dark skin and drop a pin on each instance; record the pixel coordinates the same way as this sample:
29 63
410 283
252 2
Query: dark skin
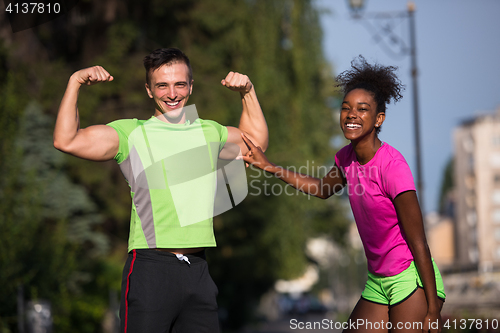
358 120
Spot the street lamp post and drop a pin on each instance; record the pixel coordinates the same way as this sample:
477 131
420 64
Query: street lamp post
393 40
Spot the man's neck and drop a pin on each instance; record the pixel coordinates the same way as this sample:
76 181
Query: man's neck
165 118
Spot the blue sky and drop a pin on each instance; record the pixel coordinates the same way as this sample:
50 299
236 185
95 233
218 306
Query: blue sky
458 57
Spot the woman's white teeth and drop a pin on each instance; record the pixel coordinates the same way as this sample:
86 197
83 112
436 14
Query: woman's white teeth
353 125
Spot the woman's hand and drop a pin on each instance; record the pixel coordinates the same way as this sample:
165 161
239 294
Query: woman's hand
255 155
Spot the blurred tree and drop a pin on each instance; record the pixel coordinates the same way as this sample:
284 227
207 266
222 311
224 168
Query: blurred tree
446 195
277 43
48 242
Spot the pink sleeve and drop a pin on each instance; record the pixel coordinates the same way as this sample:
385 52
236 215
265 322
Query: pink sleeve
337 160
340 156
397 178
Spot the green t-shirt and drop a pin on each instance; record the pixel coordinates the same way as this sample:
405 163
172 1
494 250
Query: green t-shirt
171 170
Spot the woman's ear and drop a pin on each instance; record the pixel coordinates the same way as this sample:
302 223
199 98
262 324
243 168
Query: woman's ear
380 119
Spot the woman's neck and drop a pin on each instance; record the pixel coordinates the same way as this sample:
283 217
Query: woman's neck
365 150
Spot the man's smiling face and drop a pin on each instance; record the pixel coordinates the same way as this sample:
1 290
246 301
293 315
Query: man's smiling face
170 88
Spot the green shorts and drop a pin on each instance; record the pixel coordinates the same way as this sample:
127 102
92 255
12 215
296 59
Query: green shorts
392 290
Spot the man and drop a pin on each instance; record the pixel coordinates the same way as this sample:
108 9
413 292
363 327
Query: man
169 162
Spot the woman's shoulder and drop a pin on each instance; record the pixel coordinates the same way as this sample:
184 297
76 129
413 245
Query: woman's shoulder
389 158
346 150
345 154
388 152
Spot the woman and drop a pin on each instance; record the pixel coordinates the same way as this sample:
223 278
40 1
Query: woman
404 291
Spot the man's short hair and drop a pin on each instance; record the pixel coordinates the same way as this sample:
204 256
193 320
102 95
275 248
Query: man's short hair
165 56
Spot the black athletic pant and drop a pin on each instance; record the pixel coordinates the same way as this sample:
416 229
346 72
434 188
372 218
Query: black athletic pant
161 293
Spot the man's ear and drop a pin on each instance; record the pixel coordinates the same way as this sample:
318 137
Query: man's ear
150 94
191 87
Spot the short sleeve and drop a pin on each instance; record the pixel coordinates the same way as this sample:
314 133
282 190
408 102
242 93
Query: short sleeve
123 128
337 162
221 131
223 136
397 178
344 157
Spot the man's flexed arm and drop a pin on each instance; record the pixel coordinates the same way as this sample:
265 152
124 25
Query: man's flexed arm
252 121
97 143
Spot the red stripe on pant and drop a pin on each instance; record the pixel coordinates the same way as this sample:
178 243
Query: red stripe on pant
126 292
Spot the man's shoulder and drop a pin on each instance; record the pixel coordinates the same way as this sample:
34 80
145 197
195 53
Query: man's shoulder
126 125
126 122
209 122
213 130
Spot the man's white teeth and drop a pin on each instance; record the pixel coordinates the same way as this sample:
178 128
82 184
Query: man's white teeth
172 103
353 125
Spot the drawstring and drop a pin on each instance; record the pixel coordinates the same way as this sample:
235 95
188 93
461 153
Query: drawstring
182 257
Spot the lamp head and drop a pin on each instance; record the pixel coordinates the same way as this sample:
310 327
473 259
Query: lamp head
356 7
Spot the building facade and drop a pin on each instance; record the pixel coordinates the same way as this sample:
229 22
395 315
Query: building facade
477 194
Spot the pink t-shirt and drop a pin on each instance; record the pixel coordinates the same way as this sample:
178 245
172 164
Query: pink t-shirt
371 188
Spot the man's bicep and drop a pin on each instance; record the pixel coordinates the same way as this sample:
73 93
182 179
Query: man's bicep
234 144
96 143
234 137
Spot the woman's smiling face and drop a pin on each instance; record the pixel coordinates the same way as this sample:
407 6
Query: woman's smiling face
358 117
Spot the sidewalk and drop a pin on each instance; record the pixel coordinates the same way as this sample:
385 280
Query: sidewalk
300 324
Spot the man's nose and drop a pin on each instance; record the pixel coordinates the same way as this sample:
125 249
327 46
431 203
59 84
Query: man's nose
172 93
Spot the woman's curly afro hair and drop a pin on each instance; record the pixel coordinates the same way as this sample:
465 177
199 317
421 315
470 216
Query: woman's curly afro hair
379 80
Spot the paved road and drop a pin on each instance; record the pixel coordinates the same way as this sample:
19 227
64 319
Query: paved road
298 324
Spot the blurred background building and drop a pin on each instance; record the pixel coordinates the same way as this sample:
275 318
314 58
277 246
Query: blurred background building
465 236
477 186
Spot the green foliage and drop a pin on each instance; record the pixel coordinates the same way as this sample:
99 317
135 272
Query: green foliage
48 243
15 223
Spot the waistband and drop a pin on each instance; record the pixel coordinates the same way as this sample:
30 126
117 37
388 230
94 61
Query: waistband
167 257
